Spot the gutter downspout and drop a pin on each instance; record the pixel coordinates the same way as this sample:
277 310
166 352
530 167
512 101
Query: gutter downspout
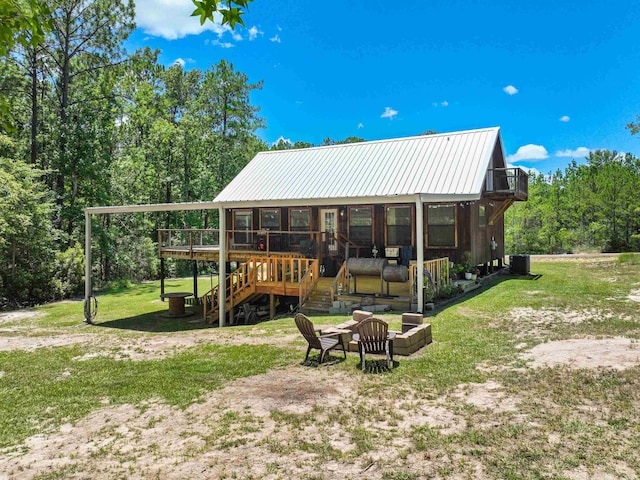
420 251
222 266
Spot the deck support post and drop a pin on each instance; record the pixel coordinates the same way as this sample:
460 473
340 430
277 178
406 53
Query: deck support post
222 267
87 265
195 282
162 278
420 252
272 306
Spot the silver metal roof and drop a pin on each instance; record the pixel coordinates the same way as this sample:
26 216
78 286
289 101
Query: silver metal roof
441 167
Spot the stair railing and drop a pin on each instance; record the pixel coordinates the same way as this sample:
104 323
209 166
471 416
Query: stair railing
341 279
308 283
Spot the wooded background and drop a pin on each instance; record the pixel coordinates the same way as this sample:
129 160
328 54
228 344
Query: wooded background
85 123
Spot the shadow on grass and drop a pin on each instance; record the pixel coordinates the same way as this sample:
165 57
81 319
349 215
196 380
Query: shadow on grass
378 366
314 360
157 322
484 286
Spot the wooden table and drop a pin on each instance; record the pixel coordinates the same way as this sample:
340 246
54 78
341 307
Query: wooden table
176 304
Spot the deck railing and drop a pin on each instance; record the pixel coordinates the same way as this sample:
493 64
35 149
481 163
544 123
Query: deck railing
507 181
184 240
188 239
438 275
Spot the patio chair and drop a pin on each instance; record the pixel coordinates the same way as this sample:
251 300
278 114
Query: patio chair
374 338
324 343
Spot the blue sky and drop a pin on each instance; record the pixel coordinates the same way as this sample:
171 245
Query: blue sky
561 78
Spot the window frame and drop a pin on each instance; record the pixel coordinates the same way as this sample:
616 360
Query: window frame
238 232
411 219
276 209
296 236
371 226
454 225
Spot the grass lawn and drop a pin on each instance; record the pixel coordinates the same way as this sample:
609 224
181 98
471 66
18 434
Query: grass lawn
528 377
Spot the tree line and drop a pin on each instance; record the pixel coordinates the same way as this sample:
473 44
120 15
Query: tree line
592 206
90 124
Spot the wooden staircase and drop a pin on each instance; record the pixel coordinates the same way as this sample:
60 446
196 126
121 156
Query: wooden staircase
288 276
240 286
320 299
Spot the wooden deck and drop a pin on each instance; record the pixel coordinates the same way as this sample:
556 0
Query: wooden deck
212 253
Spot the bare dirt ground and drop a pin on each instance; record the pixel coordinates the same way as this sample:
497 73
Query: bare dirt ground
255 426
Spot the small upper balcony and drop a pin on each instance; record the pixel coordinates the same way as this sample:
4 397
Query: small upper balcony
507 183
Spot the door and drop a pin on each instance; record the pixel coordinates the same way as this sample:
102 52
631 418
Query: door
329 226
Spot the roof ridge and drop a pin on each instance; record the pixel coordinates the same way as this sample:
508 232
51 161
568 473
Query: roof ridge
384 140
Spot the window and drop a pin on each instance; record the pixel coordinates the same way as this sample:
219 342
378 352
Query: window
441 225
270 219
242 221
399 226
482 216
360 225
299 221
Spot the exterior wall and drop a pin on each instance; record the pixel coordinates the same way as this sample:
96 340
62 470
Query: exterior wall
472 238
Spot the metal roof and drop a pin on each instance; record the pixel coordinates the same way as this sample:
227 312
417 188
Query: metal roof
441 167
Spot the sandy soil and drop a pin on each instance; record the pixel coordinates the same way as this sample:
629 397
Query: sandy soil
617 353
254 426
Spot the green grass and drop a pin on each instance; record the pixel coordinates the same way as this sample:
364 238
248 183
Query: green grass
34 392
633 258
591 414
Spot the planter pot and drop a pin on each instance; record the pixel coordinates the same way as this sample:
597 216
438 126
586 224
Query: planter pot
467 275
474 276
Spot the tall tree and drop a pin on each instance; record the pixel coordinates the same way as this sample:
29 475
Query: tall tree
86 42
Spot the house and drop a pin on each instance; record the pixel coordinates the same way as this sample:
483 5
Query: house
407 199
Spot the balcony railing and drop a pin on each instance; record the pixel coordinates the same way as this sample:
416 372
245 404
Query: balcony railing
507 183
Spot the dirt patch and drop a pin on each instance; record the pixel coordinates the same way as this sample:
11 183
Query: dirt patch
231 431
634 296
617 353
530 322
486 396
18 315
20 342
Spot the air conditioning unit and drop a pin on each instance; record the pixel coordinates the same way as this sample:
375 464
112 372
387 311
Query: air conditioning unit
519 264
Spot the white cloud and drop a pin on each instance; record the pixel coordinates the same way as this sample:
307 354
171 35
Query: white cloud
529 152
510 90
578 152
236 36
444 104
222 44
565 118
282 139
276 39
360 125
179 61
389 113
254 32
171 19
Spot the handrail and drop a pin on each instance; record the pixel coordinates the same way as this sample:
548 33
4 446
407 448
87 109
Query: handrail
267 241
264 272
341 278
346 240
308 283
438 269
